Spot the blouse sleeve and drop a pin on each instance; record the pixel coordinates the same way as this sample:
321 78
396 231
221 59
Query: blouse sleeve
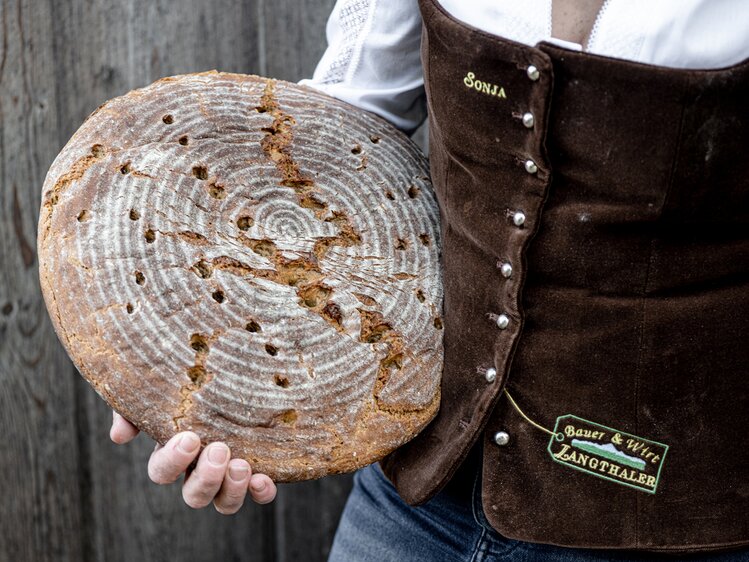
373 59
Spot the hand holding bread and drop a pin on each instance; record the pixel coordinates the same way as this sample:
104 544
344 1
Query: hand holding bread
217 478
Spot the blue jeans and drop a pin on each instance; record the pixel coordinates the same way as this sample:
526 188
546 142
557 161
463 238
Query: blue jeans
378 526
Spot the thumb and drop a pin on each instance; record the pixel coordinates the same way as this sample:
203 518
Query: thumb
122 431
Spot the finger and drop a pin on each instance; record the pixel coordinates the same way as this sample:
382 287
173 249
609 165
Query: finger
171 460
262 488
234 488
205 481
122 431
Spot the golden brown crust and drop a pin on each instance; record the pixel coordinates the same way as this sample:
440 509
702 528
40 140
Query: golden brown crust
253 260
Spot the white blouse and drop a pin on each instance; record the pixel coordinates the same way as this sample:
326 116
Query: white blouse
373 59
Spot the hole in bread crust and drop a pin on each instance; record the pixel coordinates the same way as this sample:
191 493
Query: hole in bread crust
413 192
140 279
218 296
424 239
97 150
183 140
401 244
332 312
150 236
134 215
264 247
373 326
252 326
200 172
245 222
125 168
271 349
374 138
216 191
287 416
356 149
420 295
203 269
83 216
389 195
168 119
438 322
314 294
129 308
281 380
199 343
197 374
310 201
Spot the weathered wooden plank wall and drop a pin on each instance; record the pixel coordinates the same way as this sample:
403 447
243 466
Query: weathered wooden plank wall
67 493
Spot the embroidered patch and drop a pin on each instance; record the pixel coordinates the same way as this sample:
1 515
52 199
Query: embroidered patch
471 81
607 453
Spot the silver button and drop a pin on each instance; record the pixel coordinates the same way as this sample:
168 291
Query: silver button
532 72
501 438
490 374
506 269
518 218
530 167
502 321
528 120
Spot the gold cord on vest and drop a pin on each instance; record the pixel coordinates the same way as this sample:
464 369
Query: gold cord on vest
530 421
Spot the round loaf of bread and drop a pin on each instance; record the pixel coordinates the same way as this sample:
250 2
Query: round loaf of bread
252 260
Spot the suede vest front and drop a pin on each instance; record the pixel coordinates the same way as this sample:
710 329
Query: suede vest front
616 196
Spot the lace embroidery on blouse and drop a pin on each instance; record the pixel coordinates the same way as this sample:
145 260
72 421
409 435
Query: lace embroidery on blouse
354 19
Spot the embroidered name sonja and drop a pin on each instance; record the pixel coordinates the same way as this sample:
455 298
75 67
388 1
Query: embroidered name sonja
484 87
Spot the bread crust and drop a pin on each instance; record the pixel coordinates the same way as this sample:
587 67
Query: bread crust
252 260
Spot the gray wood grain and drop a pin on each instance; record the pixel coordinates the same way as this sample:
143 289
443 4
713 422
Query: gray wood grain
40 513
293 36
72 494
307 515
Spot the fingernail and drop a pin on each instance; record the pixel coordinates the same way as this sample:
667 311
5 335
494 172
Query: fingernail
188 443
238 473
217 454
258 486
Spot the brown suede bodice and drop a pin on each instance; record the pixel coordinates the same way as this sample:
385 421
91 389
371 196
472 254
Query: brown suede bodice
627 303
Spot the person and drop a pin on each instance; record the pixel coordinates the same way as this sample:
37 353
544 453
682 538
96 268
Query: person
374 61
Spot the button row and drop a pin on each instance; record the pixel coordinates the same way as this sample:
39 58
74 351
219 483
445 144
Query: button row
502 438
